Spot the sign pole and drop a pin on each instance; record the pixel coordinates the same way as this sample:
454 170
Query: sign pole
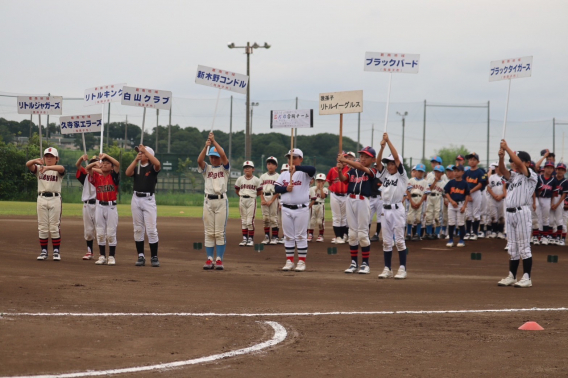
562 157
506 110
40 137
142 136
291 149
102 127
84 144
341 132
388 102
214 115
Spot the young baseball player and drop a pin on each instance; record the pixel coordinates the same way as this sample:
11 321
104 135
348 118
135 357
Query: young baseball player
284 168
545 188
450 176
460 160
557 207
338 198
376 207
436 161
106 215
215 204
248 187
434 203
475 177
521 187
360 181
417 187
269 201
49 178
89 198
457 192
318 194
143 204
393 176
294 188
497 192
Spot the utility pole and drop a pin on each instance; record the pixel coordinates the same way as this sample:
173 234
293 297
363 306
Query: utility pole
126 133
157 126
358 131
170 130
108 124
403 115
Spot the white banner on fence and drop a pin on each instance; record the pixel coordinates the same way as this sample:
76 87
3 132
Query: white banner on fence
147 98
88 123
221 79
103 94
341 102
392 62
288 119
510 68
51 105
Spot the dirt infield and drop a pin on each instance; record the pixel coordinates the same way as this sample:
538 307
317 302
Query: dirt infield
425 344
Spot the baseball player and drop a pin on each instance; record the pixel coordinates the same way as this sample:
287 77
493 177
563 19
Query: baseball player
269 201
49 178
360 181
284 168
294 188
497 192
248 187
545 188
318 194
215 203
450 176
376 207
434 203
106 215
337 202
457 193
143 204
393 176
89 198
521 187
460 160
475 177
436 161
417 187
557 206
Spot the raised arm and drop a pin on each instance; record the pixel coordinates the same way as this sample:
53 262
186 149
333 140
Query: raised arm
521 167
81 160
151 158
380 155
501 167
393 150
115 163
31 164
201 157
224 159
355 164
132 167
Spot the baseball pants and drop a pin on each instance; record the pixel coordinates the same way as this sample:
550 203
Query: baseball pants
414 215
543 212
433 210
557 217
376 204
473 210
358 219
317 219
215 214
519 233
89 221
445 214
455 216
144 218
484 208
295 225
247 207
394 225
495 210
338 212
534 216
270 213
48 216
107 223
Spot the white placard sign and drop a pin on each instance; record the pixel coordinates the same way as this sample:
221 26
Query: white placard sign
103 94
341 102
510 68
392 62
288 119
88 123
221 79
146 98
50 105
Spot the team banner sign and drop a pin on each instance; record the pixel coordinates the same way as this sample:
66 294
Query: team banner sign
510 68
50 105
341 102
392 62
288 119
221 79
103 94
89 123
146 98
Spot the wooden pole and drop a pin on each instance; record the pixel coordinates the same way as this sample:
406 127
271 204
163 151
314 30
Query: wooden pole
341 132
291 149
40 137
84 144
142 135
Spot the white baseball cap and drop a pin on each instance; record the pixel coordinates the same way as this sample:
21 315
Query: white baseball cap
295 152
248 163
273 159
285 167
320 176
51 151
350 153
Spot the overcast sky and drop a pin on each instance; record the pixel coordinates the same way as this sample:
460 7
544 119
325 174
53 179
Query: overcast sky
64 47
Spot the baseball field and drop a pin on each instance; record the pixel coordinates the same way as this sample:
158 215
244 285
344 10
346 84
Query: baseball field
448 318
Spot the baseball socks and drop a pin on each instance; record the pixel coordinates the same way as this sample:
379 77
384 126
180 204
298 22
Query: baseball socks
462 233
43 245
468 226
111 250
221 251
102 250
354 249
514 266
267 231
90 246
154 249
388 259
275 231
527 266
140 248
402 257
378 228
475 224
302 253
365 252
451 232
429 229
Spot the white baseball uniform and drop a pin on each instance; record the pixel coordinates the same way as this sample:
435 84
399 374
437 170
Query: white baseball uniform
394 215
89 199
495 208
270 213
318 208
248 188
435 201
215 204
416 187
49 206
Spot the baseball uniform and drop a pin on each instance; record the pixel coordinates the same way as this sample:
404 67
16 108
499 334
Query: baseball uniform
317 218
248 187
337 201
474 177
458 192
557 215
544 191
145 211
89 199
416 189
434 205
270 213
106 212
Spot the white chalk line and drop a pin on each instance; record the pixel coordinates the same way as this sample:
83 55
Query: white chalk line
280 335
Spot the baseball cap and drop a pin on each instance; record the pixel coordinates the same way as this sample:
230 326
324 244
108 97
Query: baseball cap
459 168
350 153
248 163
439 168
524 156
561 166
51 151
369 151
295 152
320 176
389 158
213 152
549 164
149 149
421 167
460 157
285 167
273 159
413 168
472 155
436 159
450 167
467 168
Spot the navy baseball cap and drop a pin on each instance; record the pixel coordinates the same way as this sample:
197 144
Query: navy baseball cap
561 166
524 156
549 164
369 151
472 155
460 157
459 168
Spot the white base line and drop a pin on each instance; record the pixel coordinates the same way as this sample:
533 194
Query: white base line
279 336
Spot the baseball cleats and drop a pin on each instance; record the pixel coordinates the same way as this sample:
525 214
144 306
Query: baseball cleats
461 243
244 242
352 268
507 281
274 241
219 264
155 262
481 234
339 240
467 236
450 243
310 237
387 273
281 241
250 243
415 238
333 240
447 237
289 266
320 238
544 241
507 247
111 260
208 264
535 240
42 256
492 235
300 266
141 261
101 261
364 269
500 235
88 256
266 240
375 238
561 243
401 274
524 282
56 256
472 237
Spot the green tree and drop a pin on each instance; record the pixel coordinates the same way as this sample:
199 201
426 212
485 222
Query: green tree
448 155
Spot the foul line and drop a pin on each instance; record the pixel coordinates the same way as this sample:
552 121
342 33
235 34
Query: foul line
279 336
